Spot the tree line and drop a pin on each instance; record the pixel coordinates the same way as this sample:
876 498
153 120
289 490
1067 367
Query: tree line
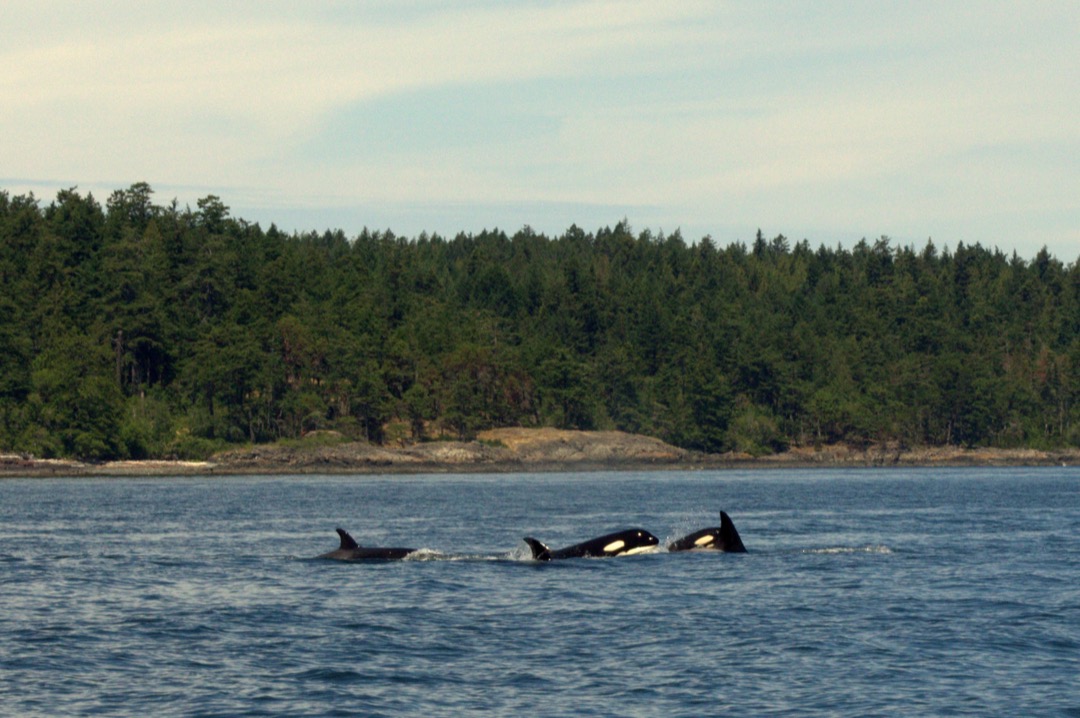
140 330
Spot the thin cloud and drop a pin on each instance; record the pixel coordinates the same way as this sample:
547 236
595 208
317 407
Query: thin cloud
839 120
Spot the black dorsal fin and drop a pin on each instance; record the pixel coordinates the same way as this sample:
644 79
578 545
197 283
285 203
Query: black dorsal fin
729 536
347 540
540 552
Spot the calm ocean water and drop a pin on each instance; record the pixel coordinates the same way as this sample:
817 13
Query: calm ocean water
865 593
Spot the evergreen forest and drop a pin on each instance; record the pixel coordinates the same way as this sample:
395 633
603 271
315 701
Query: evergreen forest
142 330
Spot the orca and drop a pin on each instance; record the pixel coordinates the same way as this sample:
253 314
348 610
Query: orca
352 551
719 538
620 543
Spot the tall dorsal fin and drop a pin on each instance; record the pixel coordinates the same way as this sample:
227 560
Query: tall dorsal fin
729 536
540 552
347 540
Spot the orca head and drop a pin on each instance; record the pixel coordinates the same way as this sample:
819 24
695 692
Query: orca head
630 542
701 539
645 540
707 539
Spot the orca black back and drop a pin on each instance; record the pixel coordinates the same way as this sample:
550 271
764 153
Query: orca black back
718 538
620 543
349 550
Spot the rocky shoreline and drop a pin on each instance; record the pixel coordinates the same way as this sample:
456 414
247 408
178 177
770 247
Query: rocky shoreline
526 450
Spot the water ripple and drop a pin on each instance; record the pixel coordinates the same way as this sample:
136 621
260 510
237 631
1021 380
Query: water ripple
865 593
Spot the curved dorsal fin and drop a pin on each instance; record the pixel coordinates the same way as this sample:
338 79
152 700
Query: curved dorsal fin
729 536
347 540
540 552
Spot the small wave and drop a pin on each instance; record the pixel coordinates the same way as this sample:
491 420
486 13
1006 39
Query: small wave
850 549
331 675
426 554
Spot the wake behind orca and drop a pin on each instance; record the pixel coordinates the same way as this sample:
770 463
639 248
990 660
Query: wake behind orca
718 538
352 551
620 543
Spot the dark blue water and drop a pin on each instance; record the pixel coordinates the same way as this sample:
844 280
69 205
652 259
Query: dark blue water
869 593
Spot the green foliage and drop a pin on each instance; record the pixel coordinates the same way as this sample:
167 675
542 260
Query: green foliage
186 446
75 400
146 426
140 330
756 432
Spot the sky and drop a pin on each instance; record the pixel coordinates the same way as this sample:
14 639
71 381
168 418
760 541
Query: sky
828 121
